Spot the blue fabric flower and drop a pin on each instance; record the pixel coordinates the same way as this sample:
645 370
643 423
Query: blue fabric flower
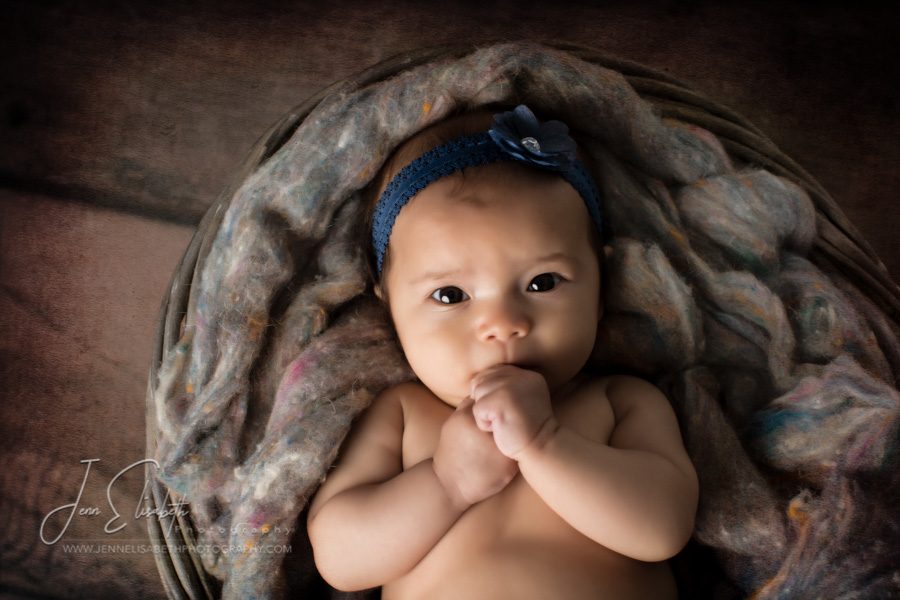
519 133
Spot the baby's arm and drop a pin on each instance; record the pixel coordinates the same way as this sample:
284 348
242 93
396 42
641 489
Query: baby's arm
636 494
371 522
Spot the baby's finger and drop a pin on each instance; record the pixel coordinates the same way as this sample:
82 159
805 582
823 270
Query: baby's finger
486 415
485 423
485 383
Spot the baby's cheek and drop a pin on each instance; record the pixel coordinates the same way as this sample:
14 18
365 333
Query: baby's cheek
437 368
569 348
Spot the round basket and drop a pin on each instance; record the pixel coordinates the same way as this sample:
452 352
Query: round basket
838 245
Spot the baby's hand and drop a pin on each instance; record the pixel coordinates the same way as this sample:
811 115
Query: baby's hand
513 404
467 461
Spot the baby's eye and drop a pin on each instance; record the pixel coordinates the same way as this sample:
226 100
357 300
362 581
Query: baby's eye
544 282
449 295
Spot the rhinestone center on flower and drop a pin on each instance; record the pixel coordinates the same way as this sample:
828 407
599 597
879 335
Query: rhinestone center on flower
531 144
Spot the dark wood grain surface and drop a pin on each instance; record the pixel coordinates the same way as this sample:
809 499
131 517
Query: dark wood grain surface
122 121
147 106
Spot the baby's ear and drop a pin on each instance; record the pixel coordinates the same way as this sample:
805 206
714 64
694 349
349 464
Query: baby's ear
607 251
380 291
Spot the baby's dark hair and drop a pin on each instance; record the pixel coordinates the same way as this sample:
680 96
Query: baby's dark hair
464 123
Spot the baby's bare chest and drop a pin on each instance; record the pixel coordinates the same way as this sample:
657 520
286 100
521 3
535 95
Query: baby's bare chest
517 510
591 417
513 539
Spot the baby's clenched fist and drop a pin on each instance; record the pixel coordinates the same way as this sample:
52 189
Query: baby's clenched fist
467 462
513 404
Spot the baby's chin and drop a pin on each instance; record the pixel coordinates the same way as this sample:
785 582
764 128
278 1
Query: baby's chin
558 380
451 397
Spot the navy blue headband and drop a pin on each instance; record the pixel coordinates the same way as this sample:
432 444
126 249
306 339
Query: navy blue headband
516 135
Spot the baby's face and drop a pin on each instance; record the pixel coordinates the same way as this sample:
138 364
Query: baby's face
502 271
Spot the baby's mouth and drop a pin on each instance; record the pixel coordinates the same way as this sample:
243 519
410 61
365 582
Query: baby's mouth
527 366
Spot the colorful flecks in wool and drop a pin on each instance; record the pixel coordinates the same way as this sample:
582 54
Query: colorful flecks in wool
855 410
712 293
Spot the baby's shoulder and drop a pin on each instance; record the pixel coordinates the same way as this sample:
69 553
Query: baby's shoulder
586 408
406 395
419 420
645 419
627 393
600 403
408 402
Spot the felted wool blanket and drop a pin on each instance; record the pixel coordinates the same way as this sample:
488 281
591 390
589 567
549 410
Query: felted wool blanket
783 374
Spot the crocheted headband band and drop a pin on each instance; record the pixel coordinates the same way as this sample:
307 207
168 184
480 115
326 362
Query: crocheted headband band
516 135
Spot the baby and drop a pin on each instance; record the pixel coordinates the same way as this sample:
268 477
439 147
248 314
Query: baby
505 471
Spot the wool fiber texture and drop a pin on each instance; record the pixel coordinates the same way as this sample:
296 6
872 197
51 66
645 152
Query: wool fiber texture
781 371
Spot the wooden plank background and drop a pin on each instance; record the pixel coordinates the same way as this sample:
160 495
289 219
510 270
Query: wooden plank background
121 122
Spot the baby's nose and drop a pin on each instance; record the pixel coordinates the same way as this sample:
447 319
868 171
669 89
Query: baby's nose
502 321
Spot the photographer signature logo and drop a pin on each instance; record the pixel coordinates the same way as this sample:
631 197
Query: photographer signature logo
116 521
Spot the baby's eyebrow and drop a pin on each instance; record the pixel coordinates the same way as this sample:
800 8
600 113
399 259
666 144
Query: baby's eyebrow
554 256
437 275
432 275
